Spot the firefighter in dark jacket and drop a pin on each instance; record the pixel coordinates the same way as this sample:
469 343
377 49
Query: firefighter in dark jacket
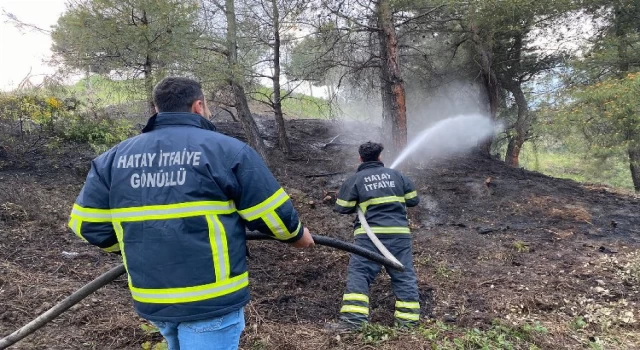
174 201
383 195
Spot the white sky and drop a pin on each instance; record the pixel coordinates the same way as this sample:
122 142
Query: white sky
25 50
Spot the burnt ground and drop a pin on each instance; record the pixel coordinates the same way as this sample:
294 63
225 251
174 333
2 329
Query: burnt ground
526 260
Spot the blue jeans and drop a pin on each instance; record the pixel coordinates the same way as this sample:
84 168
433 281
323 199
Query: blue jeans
219 333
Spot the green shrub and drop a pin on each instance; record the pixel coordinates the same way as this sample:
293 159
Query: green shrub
36 121
100 133
29 110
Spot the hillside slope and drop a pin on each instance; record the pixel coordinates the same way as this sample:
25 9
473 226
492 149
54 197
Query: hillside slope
555 262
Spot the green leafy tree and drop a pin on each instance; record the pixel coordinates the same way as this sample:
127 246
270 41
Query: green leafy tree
603 102
607 114
134 37
510 46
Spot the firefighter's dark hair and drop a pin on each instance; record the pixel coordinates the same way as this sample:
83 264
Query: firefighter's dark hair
176 94
370 151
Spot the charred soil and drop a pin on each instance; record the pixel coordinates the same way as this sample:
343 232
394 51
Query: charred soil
545 262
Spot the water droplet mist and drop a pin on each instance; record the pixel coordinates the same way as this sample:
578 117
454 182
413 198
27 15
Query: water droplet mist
448 137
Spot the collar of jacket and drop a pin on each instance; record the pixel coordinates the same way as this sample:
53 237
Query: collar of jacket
369 165
165 119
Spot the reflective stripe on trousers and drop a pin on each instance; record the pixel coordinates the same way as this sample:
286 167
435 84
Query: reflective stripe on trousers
407 311
355 307
362 272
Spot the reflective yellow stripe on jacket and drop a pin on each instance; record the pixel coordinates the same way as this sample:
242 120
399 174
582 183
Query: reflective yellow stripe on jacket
411 195
190 294
223 285
219 248
120 235
75 224
346 204
266 210
153 212
268 205
380 200
90 215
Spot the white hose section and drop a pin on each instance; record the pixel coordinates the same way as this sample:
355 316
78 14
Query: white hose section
375 239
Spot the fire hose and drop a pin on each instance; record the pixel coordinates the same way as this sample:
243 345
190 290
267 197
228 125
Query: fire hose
119 270
372 236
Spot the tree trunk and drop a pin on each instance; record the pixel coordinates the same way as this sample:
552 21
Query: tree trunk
148 85
514 148
621 36
387 96
634 161
148 72
633 149
283 140
489 80
521 128
244 114
393 79
21 127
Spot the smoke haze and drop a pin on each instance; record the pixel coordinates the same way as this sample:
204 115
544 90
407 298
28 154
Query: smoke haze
443 120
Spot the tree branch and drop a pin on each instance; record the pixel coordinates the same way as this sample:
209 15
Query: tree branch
420 16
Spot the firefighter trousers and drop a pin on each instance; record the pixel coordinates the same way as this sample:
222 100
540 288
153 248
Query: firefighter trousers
362 271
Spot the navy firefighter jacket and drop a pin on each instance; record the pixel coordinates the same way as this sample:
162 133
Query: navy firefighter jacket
383 195
174 201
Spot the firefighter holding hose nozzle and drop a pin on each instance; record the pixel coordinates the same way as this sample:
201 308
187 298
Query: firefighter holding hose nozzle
175 202
383 195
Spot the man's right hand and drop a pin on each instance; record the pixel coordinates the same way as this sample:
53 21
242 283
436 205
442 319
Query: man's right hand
306 241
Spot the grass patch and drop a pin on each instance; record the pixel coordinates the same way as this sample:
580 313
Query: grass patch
375 334
102 91
259 344
521 247
424 260
498 336
443 271
613 171
579 323
99 92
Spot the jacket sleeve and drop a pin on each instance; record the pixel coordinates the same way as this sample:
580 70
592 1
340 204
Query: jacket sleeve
91 216
347 197
410 194
261 201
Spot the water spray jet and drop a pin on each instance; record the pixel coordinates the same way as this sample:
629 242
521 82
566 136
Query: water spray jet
449 136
